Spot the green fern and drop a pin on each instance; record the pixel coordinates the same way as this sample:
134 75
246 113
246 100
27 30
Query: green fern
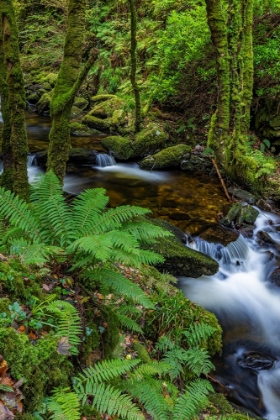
64 405
193 401
198 332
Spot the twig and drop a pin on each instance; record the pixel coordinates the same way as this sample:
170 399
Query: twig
221 179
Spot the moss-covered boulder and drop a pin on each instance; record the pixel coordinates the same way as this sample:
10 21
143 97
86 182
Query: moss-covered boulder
81 103
240 215
51 78
150 140
120 147
107 114
43 105
181 260
82 130
167 158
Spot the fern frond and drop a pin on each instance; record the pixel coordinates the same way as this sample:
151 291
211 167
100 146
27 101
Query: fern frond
85 207
69 323
197 333
113 218
120 285
198 361
64 405
150 369
111 401
52 211
149 393
193 401
145 232
100 372
19 214
128 323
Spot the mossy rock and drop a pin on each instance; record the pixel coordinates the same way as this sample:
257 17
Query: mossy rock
106 109
51 78
105 126
121 147
167 158
149 140
181 260
81 130
43 105
81 103
33 97
102 98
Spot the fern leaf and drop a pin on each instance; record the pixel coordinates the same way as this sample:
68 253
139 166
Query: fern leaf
198 361
128 323
85 207
193 401
197 333
100 372
120 285
113 218
69 323
145 232
18 212
149 393
112 402
64 405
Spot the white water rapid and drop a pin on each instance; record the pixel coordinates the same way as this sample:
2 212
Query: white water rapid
247 305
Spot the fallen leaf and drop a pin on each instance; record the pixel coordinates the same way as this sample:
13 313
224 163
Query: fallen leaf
21 329
3 366
32 336
63 347
5 413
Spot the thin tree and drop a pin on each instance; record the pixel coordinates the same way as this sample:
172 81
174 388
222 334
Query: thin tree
13 104
70 77
133 59
230 25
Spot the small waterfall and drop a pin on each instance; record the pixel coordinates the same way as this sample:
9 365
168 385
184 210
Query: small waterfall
103 160
31 161
247 306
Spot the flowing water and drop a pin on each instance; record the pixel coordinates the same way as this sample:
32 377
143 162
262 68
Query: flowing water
245 302
247 305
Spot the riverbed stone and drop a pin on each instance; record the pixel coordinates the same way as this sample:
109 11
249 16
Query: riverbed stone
169 157
181 260
120 147
275 277
150 140
242 195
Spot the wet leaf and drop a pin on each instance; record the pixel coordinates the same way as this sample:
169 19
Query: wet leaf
63 347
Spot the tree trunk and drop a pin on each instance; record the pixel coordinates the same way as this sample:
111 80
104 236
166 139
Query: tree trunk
230 25
70 77
14 138
133 58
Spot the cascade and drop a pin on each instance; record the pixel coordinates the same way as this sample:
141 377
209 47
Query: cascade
103 160
247 306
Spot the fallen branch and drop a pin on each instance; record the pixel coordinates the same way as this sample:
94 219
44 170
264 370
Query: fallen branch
221 179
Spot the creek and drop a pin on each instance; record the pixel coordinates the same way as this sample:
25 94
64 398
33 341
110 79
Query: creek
240 294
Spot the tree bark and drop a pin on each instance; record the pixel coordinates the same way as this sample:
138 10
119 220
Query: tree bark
14 137
133 70
70 77
230 24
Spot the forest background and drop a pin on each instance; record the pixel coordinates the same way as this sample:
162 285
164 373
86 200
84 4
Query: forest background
210 73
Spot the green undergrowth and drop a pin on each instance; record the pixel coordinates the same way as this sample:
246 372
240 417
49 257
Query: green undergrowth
88 324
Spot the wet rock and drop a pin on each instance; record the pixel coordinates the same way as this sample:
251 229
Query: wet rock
120 147
232 214
274 278
179 215
264 238
240 215
242 195
169 157
149 140
255 361
218 234
77 157
181 260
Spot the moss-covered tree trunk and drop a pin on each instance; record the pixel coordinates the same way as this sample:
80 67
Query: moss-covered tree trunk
14 138
70 77
230 24
133 58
